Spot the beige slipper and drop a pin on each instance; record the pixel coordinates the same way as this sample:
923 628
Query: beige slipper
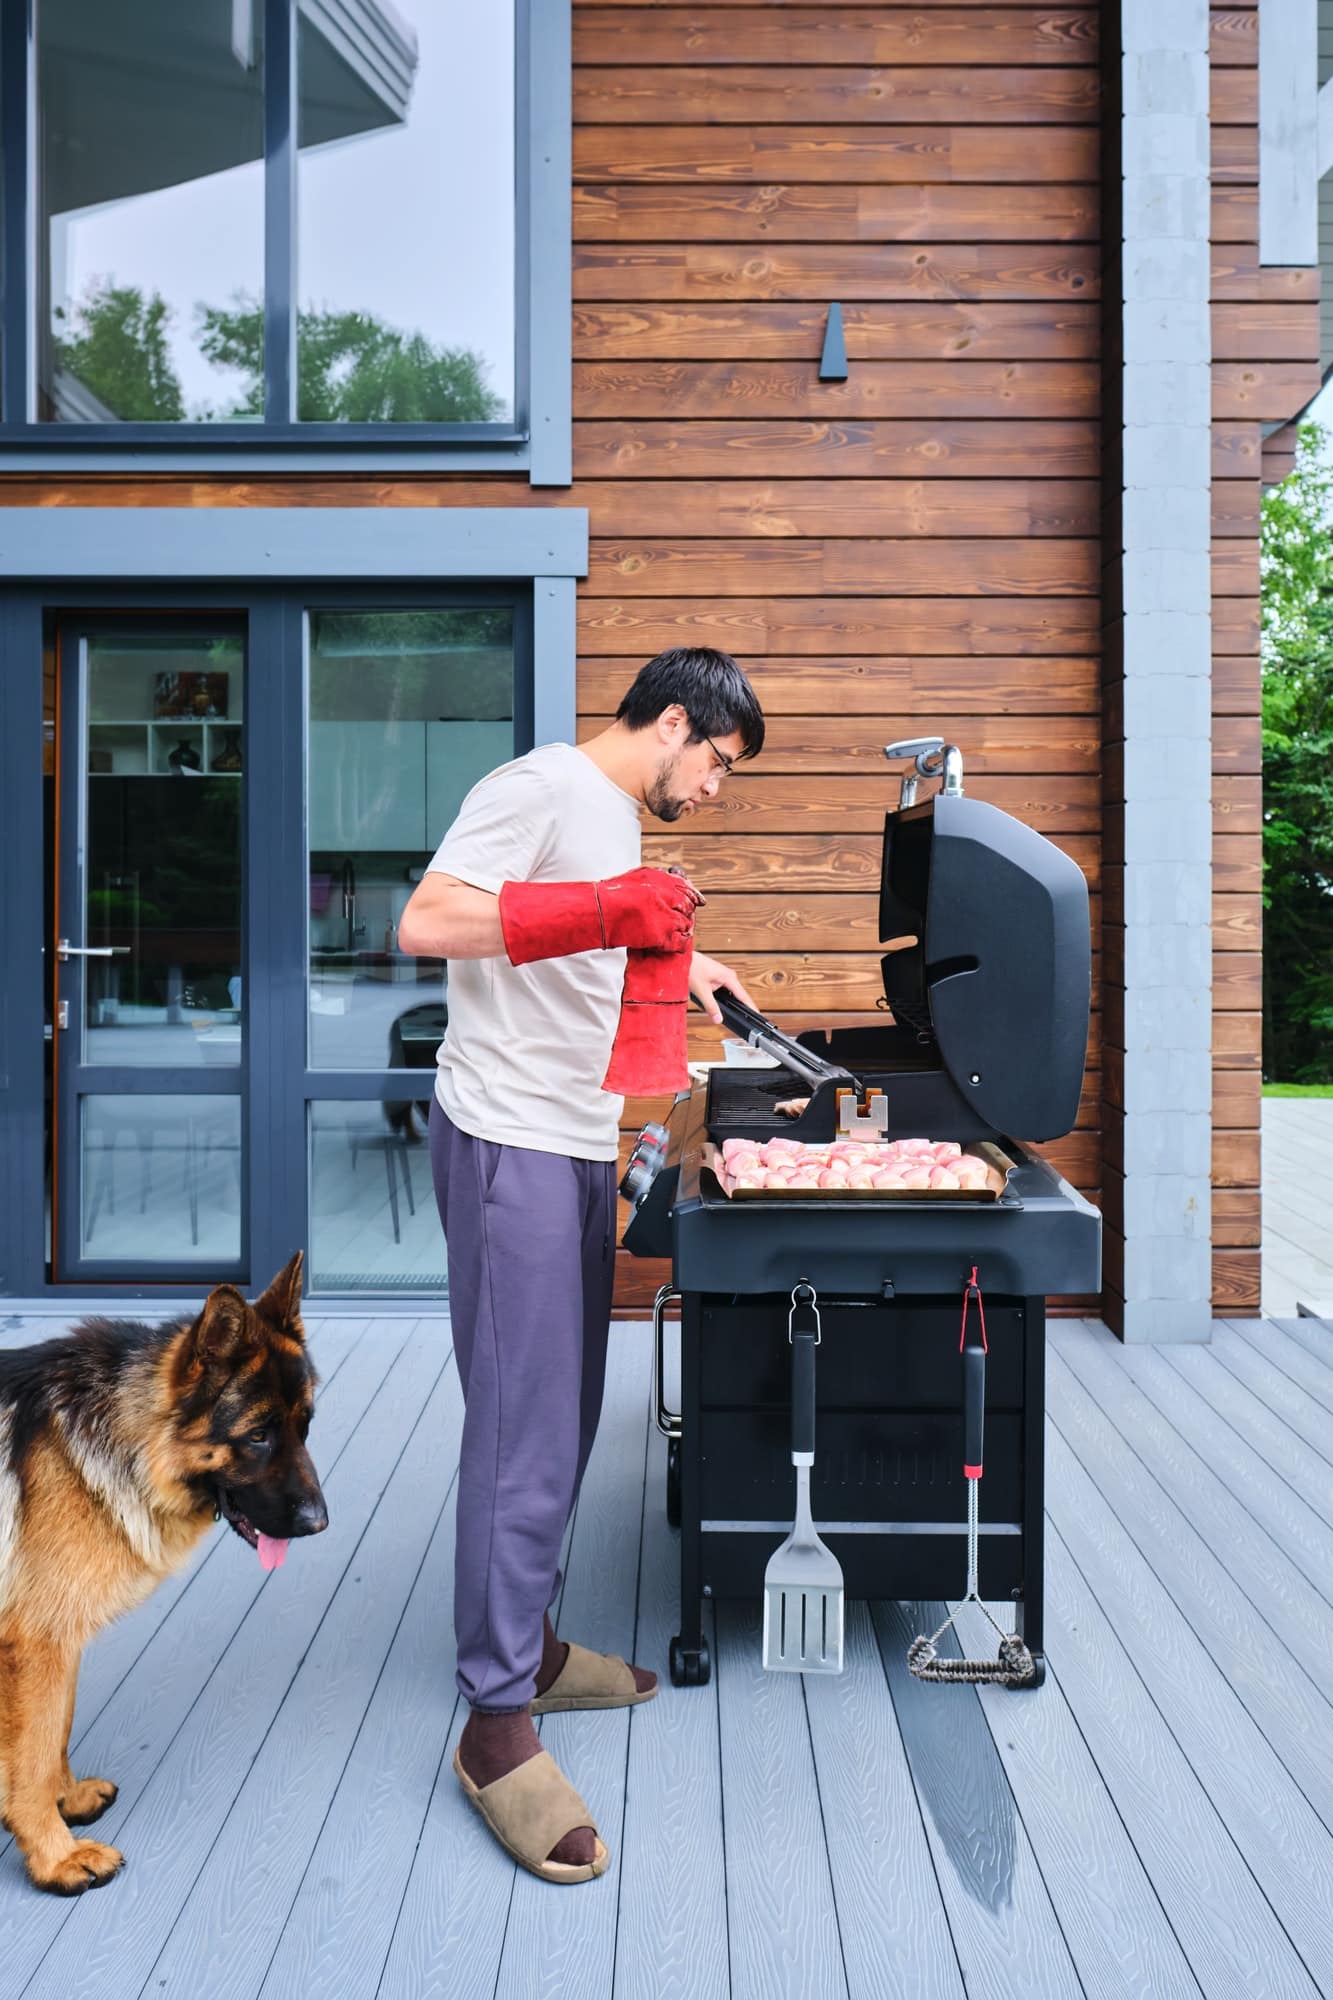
530 1810
591 1680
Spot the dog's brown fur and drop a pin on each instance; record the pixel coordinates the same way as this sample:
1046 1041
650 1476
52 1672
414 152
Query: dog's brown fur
119 1446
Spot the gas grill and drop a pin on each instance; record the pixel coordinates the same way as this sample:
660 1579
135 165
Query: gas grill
986 995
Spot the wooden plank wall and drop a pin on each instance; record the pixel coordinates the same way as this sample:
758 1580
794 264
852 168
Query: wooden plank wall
913 550
1265 368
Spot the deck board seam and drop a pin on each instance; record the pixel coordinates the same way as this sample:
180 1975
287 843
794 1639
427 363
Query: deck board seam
1202 1642
823 1828
1132 1844
1325 1452
1234 1581
356 1734
629 1733
1186 1758
1249 1445
1237 1495
1273 1354
920 1808
337 1584
1148 1695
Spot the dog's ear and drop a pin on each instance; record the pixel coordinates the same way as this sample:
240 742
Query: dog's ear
281 1303
223 1330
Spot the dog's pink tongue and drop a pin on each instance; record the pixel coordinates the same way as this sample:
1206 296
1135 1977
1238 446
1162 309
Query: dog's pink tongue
272 1552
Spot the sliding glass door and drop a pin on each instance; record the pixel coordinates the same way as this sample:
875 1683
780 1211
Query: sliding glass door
241 1061
406 709
149 975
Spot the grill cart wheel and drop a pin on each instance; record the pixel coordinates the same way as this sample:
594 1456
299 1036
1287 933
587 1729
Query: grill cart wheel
691 1666
673 1483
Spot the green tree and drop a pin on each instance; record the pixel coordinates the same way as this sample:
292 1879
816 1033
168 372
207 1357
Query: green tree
352 368
1296 566
114 343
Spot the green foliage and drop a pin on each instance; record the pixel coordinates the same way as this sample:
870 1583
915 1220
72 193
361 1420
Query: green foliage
351 367
1297 655
115 344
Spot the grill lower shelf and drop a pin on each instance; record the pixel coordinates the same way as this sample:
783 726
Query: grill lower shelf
887 1491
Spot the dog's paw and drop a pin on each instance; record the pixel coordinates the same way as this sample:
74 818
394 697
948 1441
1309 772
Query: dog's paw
88 1865
87 1800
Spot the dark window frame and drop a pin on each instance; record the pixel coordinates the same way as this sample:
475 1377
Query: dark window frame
535 440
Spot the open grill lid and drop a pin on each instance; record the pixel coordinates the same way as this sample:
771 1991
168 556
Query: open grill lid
1000 975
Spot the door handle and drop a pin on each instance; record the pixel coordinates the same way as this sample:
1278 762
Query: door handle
64 950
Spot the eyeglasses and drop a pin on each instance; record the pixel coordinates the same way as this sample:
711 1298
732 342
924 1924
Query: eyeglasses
725 763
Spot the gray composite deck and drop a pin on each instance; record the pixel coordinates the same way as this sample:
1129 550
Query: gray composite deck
1297 1263
1156 1821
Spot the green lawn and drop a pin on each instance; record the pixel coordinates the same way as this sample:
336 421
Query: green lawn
1298 1090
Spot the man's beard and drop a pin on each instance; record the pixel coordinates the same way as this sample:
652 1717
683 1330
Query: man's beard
661 801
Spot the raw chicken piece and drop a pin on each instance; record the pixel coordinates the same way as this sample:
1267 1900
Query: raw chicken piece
946 1150
940 1177
914 1145
861 1177
889 1177
916 1177
792 1107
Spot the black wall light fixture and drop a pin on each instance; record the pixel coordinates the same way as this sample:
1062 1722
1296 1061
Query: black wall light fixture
833 360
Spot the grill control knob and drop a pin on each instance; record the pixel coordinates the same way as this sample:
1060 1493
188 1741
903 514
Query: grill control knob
645 1163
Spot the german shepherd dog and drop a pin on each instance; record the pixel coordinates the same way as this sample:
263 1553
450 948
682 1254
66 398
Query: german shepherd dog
119 1446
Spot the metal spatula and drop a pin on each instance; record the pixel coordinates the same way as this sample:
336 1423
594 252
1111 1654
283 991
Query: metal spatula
803 1592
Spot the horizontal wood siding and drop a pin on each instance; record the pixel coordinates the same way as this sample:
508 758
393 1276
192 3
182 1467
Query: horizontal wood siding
913 549
916 547
1265 369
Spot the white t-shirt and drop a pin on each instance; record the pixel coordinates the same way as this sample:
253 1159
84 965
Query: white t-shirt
527 1046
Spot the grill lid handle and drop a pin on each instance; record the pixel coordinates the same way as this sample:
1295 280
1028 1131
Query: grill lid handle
932 758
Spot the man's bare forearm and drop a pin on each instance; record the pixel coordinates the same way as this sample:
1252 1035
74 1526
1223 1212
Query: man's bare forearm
450 919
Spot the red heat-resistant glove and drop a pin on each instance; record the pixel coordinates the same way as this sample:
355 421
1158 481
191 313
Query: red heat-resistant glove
647 909
648 1056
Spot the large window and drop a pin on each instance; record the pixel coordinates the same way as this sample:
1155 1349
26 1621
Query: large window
255 223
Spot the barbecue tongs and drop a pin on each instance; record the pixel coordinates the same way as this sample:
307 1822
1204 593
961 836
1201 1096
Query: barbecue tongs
763 1035
858 1110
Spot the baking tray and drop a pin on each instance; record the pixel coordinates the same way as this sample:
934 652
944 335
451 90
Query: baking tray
996 1159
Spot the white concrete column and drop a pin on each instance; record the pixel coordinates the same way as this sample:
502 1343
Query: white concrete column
1167 637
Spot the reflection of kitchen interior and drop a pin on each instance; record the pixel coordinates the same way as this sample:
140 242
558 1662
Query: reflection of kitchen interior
394 787
407 711
355 904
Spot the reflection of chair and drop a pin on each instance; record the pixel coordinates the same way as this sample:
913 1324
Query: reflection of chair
393 1145
413 1039
102 1184
203 1131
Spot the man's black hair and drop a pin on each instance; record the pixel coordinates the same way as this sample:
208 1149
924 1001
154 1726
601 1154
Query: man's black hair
708 685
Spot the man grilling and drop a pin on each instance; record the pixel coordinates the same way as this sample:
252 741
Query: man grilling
570 971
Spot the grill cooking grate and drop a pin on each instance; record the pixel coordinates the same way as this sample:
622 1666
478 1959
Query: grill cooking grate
755 1101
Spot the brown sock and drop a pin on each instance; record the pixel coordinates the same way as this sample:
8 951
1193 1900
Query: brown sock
554 1654
493 1745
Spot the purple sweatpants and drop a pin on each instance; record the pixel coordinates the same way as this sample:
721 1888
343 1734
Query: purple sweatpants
531 1242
